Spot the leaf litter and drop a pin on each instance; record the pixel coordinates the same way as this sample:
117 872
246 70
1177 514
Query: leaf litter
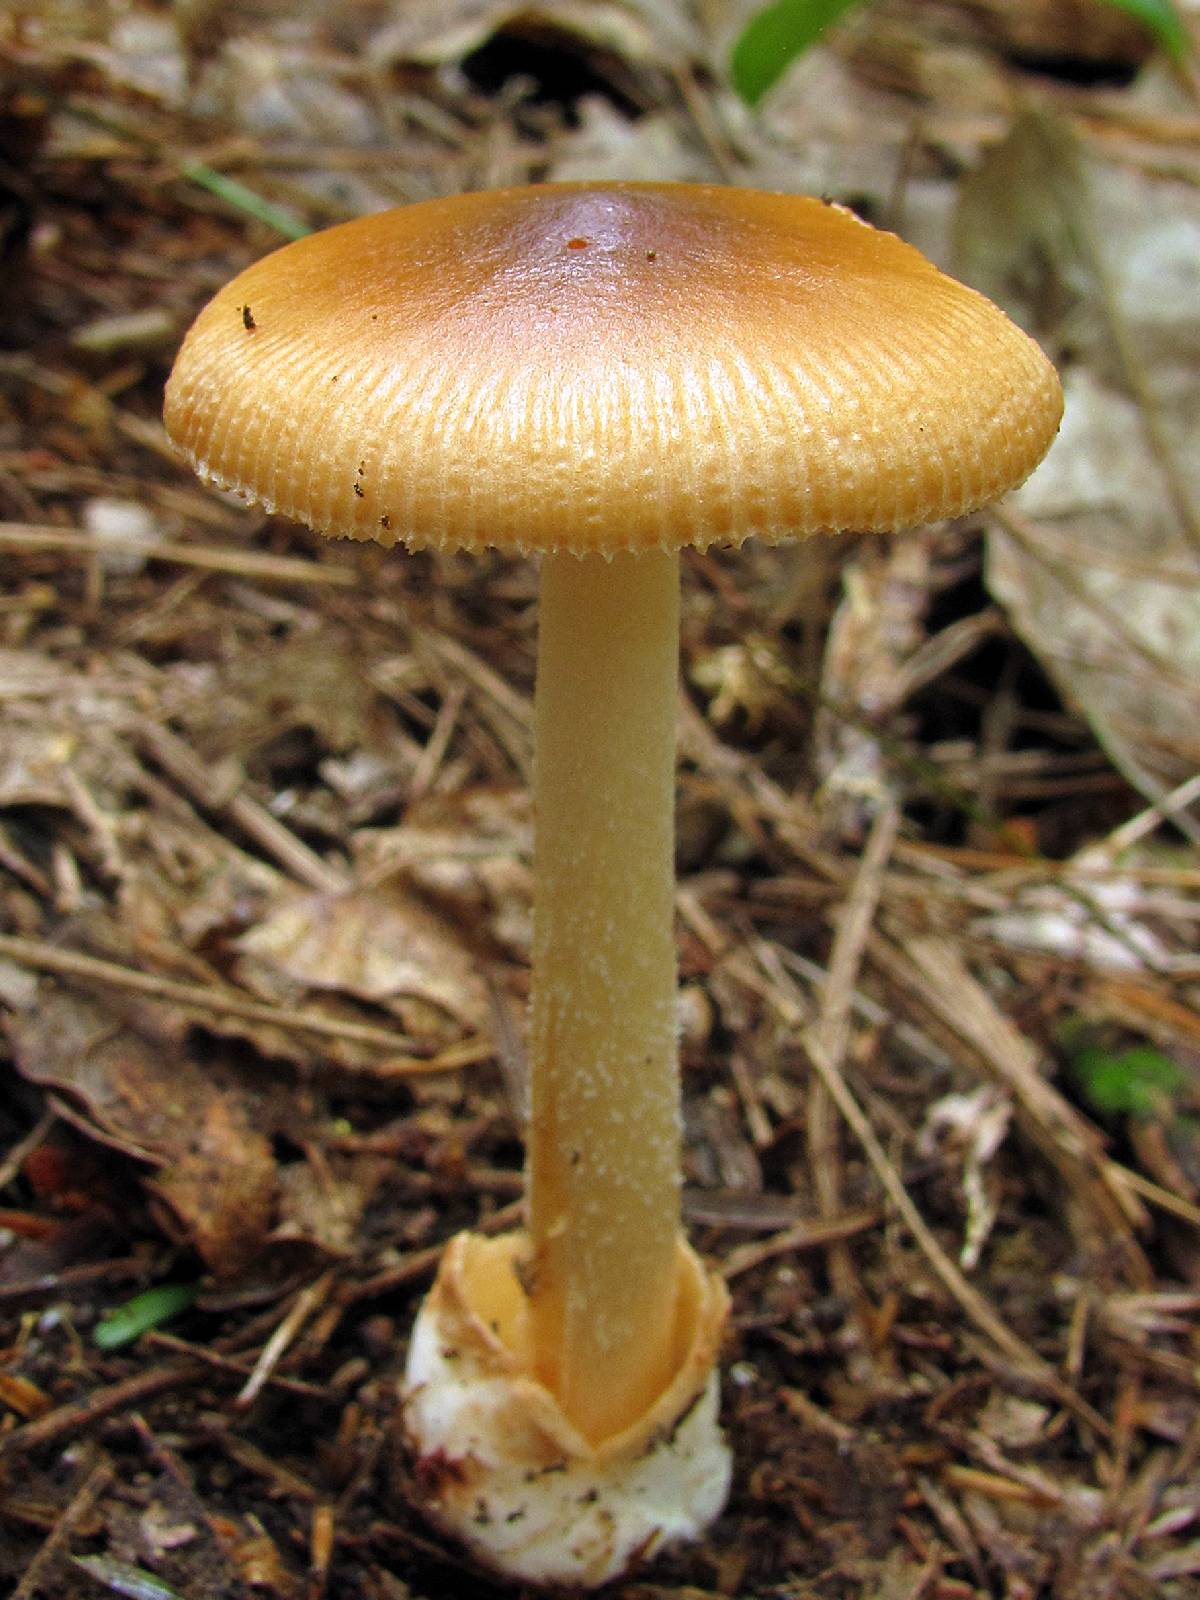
265 842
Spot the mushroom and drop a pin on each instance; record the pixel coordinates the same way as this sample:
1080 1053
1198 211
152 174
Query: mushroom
599 374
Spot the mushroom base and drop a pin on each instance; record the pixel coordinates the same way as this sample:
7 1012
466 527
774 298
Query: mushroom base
500 1467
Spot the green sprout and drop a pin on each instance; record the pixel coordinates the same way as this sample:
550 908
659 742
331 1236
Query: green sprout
145 1311
775 36
1141 1082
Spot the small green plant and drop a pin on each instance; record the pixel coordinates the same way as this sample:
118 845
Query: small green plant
1141 1082
772 40
1163 19
775 36
145 1311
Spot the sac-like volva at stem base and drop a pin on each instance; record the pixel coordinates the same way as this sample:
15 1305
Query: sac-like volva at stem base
498 1465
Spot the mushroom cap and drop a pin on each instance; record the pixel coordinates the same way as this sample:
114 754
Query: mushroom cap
601 367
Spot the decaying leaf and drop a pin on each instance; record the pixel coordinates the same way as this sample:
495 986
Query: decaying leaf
1100 589
307 681
32 765
468 853
609 146
1102 580
876 627
146 1096
222 1185
434 31
324 1204
380 945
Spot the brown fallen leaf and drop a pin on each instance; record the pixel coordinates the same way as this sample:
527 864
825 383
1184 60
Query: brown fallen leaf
308 681
1095 562
223 1186
22 1396
124 1064
381 945
33 761
467 853
324 1203
430 32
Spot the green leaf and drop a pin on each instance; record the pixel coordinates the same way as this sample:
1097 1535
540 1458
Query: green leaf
143 1312
773 39
119 1577
1164 22
239 195
1137 1083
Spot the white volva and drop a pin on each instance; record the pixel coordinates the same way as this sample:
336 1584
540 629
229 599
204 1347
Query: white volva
501 1467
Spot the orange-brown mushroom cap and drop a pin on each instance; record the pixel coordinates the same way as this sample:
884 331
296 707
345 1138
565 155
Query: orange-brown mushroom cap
595 367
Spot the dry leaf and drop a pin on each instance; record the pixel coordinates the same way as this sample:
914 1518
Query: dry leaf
222 1185
143 1095
311 680
380 945
1105 586
430 32
324 1205
32 764
469 853
1100 588
876 628
609 146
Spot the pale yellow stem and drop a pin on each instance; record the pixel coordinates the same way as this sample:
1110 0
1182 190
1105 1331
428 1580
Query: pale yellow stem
604 1131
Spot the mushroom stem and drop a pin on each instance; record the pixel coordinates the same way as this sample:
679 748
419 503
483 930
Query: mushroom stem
603 1161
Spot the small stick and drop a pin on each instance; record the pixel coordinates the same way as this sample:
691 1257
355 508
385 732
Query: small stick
217 794
213 558
831 1033
237 1369
954 1525
113 1271
72 964
1153 1192
92 1487
512 712
807 1235
699 107
757 1122
12 1163
434 752
14 862
813 1416
273 1351
321 1538
1168 806
80 1414
994 1486
249 1455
